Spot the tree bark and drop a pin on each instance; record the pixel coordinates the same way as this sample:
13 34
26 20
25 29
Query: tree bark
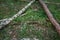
50 16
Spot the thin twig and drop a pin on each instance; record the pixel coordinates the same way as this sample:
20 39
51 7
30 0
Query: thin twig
51 3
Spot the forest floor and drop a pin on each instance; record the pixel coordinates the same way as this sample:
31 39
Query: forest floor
34 25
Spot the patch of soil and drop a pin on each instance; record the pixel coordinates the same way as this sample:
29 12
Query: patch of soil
36 26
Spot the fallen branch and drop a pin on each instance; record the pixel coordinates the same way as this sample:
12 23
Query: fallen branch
51 3
47 2
8 20
50 16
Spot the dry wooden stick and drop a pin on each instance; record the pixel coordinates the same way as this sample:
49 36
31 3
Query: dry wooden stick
51 3
50 16
47 2
8 20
